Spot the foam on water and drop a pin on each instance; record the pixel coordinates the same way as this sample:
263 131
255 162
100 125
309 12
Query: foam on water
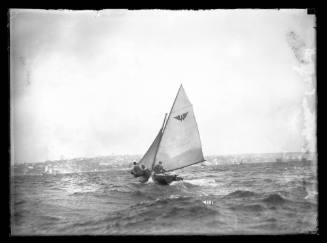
202 182
150 180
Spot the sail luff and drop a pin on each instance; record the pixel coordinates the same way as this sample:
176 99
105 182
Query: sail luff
164 122
171 109
154 158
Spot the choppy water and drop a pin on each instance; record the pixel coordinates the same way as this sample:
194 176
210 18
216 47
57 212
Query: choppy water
266 198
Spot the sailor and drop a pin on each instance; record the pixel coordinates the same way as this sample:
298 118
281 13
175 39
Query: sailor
143 168
136 171
146 171
158 169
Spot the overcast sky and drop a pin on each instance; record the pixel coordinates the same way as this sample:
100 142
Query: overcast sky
87 83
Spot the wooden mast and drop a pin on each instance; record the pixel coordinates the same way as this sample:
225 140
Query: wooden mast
163 124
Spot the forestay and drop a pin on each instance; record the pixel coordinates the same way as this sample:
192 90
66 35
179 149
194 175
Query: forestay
180 144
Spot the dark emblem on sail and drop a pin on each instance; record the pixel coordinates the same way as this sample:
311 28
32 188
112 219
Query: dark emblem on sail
181 117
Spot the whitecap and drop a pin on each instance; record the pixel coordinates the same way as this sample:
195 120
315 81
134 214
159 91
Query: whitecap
202 182
310 194
149 180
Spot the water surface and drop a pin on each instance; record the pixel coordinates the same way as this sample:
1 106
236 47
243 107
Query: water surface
261 198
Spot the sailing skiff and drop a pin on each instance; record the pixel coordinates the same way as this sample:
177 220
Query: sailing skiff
177 144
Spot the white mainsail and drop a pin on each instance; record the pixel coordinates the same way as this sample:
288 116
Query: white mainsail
180 143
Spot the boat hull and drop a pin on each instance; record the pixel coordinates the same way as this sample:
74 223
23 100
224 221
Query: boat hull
145 174
144 178
164 179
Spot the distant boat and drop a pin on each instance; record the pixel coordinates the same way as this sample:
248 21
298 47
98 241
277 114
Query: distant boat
177 144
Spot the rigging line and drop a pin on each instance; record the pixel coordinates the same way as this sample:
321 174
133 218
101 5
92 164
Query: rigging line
187 165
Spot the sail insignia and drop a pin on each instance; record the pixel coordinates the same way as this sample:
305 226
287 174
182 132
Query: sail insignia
181 117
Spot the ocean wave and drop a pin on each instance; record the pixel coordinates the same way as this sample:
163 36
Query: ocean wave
309 205
311 195
249 208
202 182
51 218
81 191
19 202
271 220
191 211
161 210
175 196
122 189
184 185
218 199
18 214
142 194
275 199
183 200
241 193
268 180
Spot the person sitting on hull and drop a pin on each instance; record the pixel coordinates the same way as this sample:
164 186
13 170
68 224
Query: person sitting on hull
158 169
136 171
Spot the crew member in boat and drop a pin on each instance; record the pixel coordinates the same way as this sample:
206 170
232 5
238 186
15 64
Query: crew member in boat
146 171
136 171
158 169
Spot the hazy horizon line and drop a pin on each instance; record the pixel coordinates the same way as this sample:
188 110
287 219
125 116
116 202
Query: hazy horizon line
139 155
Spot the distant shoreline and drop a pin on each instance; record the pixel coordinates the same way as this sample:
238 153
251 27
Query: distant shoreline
136 156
